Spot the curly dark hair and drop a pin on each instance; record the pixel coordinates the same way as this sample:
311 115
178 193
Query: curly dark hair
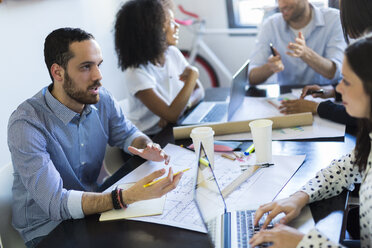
139 33
57 46
359 55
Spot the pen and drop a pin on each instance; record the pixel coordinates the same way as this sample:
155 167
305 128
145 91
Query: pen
249 150
153 182
321 91
228 156
272 49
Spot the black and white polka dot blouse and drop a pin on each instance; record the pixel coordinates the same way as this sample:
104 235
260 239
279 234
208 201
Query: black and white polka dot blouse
331 181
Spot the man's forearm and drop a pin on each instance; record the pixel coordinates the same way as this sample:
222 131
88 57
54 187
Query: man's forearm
321 65
93 203
259 74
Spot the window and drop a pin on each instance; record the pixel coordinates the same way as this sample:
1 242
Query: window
250 13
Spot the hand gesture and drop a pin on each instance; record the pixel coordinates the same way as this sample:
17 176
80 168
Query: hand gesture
152 152
291 206
308 89
298 49
298 106
162 123
190 75
275 62
138 193
280 236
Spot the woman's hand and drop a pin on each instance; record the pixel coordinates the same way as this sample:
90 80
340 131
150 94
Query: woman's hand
138 193
309 89
152 152
190 75
280 236
298 106
291 206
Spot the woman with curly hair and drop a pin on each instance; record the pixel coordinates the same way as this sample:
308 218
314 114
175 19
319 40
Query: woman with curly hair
160 82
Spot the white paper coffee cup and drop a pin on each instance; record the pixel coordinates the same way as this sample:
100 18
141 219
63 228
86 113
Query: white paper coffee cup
261 133
203 135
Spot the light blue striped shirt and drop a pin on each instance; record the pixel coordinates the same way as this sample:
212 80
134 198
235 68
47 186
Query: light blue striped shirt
57 154
323 35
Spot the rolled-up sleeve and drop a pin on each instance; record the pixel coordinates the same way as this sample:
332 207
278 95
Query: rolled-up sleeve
335 45
261 50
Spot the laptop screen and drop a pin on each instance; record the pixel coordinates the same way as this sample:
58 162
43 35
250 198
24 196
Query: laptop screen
208 196
237 91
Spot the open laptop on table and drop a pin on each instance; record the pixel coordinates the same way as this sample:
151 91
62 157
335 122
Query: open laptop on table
219 111
225 229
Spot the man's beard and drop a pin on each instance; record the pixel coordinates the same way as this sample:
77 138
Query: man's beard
80 96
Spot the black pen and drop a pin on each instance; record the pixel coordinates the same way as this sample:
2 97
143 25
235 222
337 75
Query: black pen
272 49
321 91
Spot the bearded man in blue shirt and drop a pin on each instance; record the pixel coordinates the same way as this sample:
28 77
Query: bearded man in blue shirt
308 46
57 141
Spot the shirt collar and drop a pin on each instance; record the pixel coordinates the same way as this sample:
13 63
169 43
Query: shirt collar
318 18
60 110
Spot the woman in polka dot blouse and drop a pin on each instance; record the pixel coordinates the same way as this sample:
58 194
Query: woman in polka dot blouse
356 91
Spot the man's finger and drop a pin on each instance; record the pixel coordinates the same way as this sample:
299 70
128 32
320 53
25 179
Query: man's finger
154 175
134 150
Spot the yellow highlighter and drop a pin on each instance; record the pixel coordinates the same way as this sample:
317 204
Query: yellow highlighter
203 161
153 182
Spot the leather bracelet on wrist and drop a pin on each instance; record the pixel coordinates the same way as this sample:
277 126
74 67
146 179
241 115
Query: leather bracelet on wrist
115 199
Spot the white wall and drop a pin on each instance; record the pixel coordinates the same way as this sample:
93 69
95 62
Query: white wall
24 24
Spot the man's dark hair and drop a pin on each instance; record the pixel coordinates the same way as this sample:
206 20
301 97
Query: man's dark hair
57 46
139 34
356 17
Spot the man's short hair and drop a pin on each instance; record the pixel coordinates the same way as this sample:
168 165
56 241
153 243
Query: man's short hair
57 46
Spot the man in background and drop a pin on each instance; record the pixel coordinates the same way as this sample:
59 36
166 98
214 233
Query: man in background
307 43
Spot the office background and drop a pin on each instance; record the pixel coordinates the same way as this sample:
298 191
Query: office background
24 24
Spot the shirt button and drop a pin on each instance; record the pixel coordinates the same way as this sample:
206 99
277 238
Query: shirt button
82 144
83 163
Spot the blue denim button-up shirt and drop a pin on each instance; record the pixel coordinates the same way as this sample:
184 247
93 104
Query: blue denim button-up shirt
57 154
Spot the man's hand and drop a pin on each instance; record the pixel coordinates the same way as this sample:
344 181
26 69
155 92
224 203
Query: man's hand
298 106
291 206
308 89
298 49
152 152
190 75
275 62
138 193
162 123
280 236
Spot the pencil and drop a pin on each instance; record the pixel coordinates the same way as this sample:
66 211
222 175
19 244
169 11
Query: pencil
228 156
153 182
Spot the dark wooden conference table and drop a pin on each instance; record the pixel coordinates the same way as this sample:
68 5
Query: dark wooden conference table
89 232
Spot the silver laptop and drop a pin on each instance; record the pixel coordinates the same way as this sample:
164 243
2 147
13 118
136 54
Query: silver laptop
221 111
225 229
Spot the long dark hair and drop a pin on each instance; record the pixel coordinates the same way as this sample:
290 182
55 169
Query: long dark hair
356 17
359 56
139 34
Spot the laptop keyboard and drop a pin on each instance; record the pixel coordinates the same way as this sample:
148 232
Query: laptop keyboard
211 226
216 113
246 230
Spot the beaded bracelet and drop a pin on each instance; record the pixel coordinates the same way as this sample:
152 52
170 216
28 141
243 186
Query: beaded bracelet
115 201
124 205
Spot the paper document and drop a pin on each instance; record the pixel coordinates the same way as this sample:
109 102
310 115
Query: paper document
259 107
180 210
137 209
